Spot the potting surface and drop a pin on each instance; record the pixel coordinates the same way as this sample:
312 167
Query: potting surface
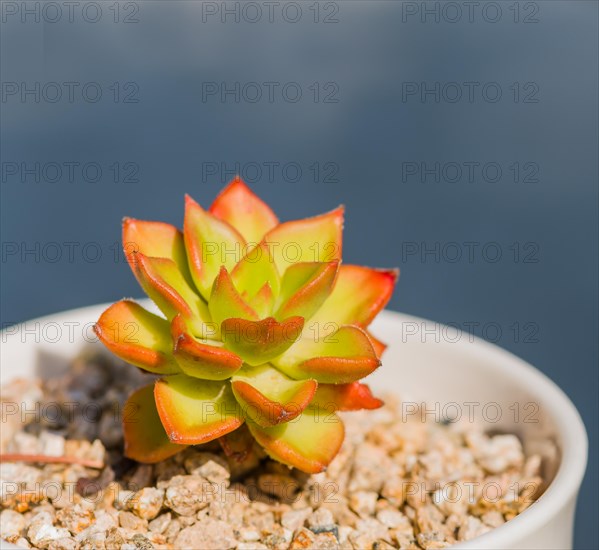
398 482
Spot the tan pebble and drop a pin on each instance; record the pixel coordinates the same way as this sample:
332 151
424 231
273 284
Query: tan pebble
532 466
263 521
24 443
11 524
393 518
471 527
432 541
22 542
370 467
452 523
141 542
248 534
251 546
403 538
342 514
499 453
122 498
41 534
326 541
321 519
394 490
302 540
343 533
429 519
172 530
129 520
367 533
186 521
95 541
452 498
209 466
115 539
493 518
294 519
160 524
105 519
51 444
363 502
362 541
416 493
147 502
208 535
63 544
97 451
188 494
75 518
279 539
434 465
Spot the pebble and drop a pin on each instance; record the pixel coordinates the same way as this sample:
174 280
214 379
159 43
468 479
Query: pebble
42 534
472 527
392 518
321 520
147 503
187 494
75 518
363 502
209 466
251 546
294 519
160 524
11 525
208 535
128 520
498 453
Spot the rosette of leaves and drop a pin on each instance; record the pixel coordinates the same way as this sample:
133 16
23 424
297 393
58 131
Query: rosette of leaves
261 325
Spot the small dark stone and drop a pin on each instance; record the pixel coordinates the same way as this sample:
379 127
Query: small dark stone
141 542
326 529
88 486
122 466
91 377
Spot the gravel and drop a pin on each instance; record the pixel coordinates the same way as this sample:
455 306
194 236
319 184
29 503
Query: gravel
396 483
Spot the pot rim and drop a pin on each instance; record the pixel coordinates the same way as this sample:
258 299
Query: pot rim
571 432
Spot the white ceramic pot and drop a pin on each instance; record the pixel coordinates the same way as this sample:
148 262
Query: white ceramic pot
455 374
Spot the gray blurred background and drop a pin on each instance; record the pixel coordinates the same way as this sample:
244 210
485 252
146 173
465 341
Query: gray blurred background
462 138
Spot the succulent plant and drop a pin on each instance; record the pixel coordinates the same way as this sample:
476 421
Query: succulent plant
262 325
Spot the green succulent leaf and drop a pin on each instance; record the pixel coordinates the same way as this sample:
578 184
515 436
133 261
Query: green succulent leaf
317 239
309 442
226 302
254 270
305 287
155 240
195 411
268 397
339 358
259 342
137 336
210 244
208 360
145 438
